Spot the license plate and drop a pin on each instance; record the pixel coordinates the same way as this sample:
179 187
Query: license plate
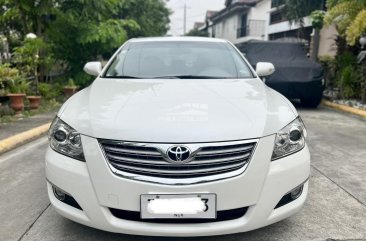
178 206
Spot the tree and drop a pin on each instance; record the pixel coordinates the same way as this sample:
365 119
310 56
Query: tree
20 17
349 17
317 21
296 10
151 15
197 32
77 31
80 34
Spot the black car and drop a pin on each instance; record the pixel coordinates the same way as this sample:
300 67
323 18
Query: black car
296 76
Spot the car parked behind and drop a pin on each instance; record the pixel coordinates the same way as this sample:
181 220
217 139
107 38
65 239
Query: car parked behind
296 76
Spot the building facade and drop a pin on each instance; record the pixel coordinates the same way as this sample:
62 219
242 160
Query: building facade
240 20
243 20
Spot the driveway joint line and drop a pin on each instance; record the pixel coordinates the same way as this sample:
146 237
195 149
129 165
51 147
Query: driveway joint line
32 224
358 200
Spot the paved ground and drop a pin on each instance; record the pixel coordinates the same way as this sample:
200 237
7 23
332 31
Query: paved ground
10 129
336 208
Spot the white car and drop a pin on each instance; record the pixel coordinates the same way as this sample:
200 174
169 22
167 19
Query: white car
177 137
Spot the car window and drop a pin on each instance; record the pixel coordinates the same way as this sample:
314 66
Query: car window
178 59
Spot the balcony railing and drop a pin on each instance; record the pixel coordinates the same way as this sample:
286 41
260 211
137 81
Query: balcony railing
255 28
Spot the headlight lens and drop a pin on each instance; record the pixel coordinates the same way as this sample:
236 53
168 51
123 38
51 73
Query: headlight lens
65 140
290 139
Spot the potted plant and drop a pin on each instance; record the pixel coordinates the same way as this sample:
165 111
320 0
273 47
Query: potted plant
6 73
34 97
17 88
34 101
70 88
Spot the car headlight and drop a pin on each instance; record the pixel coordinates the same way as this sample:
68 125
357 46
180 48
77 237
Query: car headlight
290 139
65 140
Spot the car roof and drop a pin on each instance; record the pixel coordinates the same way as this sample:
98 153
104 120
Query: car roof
185 39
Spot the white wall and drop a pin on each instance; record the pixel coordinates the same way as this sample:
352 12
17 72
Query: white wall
327 45
285 26
227 27
261 12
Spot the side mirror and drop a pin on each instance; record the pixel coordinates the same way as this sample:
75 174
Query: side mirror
264 69
93 68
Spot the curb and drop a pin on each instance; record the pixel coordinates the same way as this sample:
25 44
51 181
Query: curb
345 108
21 138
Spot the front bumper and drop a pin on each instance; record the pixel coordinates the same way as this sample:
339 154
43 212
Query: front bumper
96 189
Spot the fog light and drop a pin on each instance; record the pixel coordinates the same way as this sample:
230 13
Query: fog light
290 196
59 194
296 192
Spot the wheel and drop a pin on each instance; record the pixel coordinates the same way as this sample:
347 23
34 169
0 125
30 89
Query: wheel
312 103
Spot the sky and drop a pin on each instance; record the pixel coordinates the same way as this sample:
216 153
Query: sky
196 10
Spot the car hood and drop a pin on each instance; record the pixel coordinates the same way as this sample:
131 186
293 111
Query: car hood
177 110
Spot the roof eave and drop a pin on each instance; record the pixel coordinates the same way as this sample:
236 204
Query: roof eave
230 10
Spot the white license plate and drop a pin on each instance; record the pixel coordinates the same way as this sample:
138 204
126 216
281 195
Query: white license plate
178 206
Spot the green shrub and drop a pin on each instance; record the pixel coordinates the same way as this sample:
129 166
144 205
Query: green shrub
6 73
350 82
18 85
348 75
345 59
71 83
49 91
329 65
83 80
6 111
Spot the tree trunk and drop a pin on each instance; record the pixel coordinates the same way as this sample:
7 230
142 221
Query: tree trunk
40 70
316 42
363 80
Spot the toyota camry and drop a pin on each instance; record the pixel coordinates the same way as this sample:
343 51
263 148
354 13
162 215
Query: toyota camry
177 137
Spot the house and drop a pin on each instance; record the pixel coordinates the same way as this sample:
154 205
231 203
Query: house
240 20
198 25
280 29
207 27
243 20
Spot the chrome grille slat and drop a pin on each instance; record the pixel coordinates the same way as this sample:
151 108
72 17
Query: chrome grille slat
159 166
150 159
222 159
131 151
132 160
162 162
217 152
176 172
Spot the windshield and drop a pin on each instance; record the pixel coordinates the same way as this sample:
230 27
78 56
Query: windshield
178 59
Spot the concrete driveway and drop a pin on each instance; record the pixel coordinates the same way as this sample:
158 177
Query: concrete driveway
335 210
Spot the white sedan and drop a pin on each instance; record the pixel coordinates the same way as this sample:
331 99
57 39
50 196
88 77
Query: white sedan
177 137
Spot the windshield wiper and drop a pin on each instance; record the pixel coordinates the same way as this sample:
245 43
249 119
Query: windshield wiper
189 77
123 77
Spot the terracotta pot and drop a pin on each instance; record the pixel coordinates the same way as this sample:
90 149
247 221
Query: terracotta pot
17 102
69 91
34 102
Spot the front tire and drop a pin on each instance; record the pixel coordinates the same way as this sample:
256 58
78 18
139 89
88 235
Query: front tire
311 103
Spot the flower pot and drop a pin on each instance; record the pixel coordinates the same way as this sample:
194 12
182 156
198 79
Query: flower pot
17 102
69 91
34 102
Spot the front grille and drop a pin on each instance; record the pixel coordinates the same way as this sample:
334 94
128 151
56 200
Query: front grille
221 216
151 160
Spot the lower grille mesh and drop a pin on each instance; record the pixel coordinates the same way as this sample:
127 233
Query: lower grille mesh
221 216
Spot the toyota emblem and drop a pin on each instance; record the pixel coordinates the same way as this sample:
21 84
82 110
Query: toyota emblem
179 154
